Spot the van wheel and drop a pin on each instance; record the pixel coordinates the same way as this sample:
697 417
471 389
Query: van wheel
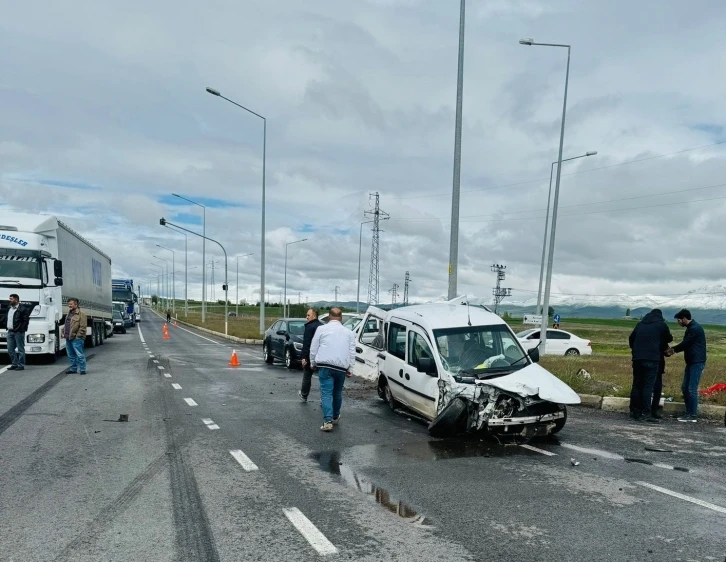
393 404
560 423
451 420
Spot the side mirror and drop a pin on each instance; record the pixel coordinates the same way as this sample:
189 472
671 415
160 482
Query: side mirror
534 354
58 281
427 365
281 333
58 268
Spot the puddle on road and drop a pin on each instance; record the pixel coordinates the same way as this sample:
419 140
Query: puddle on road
330 462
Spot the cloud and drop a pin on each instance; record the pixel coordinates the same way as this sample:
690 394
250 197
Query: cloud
106 116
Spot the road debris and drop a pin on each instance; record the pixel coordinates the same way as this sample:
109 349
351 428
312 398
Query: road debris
574 462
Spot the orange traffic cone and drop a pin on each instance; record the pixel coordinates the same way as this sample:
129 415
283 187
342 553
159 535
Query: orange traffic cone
233 361
175 324
166 335
164 328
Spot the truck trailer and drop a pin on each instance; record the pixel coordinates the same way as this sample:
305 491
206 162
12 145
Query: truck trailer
45 263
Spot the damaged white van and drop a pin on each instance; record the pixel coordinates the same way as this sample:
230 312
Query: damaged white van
462 368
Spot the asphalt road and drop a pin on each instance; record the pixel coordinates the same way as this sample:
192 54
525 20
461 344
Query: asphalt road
229 465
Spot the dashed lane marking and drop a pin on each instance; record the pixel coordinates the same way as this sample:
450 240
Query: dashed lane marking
683 497
4 369
311 533
167 375
243 460
191 402
213 426
536 450
141 336
155 361
176 386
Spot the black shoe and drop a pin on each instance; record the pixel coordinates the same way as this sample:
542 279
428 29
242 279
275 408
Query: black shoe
70 371
19 368
651 419
12 367
82 373
656 415
302 398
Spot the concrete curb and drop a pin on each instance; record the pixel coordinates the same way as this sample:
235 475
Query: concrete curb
618 404
246 341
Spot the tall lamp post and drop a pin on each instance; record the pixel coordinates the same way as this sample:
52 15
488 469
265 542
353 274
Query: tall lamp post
547 220
173 277
164 222
204 253
262 241
236 310
284 304
360 246
548 283
167 292
159 277
186 269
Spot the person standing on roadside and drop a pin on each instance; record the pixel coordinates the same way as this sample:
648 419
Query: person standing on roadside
75 334
168 316
332 352
693 347
648 342
311 326
16 322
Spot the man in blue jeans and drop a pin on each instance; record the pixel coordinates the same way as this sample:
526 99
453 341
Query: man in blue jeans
74 332
332 352
693 347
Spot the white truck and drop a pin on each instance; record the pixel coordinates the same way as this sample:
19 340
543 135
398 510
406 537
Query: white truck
45 263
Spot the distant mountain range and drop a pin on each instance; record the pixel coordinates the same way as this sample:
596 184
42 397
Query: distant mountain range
707 304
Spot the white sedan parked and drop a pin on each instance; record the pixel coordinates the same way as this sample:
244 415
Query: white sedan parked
559 342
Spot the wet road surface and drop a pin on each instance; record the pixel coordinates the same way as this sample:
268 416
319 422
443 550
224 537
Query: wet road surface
221 463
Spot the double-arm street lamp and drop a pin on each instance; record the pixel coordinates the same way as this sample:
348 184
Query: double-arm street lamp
159 280
548 283
173 278
547 221
186 269
236 311
262 236
166 286
164 222
204 257
284 304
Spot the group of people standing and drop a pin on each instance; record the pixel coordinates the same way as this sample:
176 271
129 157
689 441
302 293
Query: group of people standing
328 349
650 346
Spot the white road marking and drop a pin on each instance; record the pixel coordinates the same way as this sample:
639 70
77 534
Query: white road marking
213 426
192 333
190 402
159 366
4 369
596 452
207 421
536 450
155 361
141 335
151 355
176 386
167 375
683 497
311 533
244 460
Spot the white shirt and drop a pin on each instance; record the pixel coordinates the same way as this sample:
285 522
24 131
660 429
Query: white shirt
333 346
11 314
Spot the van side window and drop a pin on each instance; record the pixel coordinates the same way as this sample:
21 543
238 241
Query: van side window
418 348
397 340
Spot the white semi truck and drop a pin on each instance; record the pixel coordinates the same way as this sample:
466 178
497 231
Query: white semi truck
45 263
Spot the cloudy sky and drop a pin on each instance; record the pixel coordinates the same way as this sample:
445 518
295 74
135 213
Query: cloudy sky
103 114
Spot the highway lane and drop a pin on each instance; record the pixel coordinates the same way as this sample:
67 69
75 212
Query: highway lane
221 463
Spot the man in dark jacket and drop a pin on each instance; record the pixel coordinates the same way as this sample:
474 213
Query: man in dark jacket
310 327
16 322
693 347
648 342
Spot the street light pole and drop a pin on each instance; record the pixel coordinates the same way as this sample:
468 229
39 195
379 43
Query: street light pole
262 241
186 270
204 254
173 277
547 220
164 222
284 304
166 287
455 194
360 246
548 283
236 311
158 281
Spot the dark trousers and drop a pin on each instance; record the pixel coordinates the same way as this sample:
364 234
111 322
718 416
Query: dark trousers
645 374
657 392
307 380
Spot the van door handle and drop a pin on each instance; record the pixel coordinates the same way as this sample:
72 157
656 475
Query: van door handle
381 356
358 350
400 373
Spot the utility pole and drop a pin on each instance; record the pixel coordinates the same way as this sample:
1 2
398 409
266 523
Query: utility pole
405 289
500 292
394 293
336 290
213 295
373 278
299 298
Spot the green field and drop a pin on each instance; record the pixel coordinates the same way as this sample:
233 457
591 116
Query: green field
609 365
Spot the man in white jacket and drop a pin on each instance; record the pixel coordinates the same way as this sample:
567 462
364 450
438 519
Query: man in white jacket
333 354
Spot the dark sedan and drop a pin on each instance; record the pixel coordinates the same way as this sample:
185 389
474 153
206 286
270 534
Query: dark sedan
284 340
118 323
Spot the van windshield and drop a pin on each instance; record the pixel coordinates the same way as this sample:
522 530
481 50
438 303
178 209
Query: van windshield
477 350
